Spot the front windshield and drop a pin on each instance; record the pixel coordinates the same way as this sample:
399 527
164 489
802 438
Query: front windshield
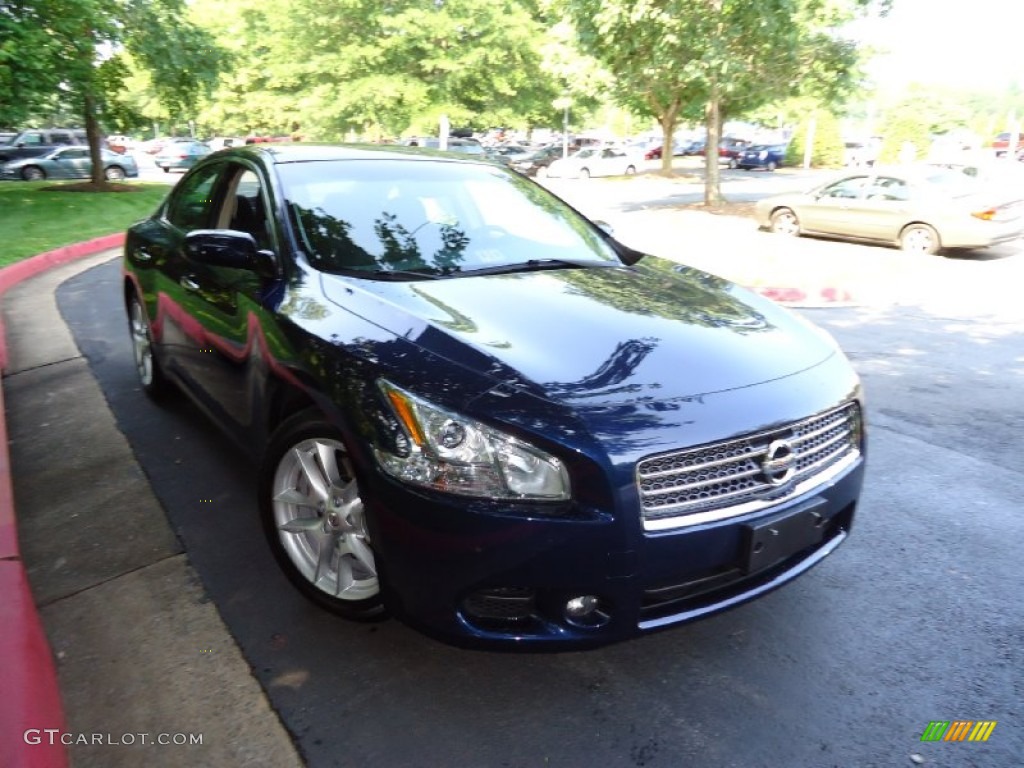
431 217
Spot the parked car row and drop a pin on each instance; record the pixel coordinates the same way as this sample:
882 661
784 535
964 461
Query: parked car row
73 162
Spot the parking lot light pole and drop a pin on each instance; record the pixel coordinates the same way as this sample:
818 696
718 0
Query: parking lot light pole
563 103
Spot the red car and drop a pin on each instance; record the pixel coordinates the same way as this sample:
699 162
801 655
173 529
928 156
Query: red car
1002 141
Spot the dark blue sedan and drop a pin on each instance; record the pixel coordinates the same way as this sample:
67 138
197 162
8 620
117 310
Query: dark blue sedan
767 156
475 410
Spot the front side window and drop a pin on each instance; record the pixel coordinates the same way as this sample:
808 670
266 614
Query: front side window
192 207
245 207
847 189
432 217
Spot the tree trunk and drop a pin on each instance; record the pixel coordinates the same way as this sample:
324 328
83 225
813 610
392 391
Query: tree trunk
92 132
713 124
668 121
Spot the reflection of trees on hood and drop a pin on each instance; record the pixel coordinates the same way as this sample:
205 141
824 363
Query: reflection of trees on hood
619 367
671 291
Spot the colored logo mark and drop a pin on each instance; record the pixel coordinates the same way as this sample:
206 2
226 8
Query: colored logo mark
958 730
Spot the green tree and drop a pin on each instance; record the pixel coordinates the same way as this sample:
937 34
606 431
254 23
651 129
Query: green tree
827 143
360 66
723 56
83 55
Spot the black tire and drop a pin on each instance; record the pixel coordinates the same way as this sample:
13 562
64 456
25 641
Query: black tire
631 170
33 173
147 367
167 170
114 173
584 173
920 238
785 222
309 500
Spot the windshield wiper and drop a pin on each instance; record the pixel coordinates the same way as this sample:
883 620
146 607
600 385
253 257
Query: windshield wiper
537 265
399 274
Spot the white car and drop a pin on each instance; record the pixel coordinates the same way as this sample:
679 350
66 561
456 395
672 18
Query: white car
596 161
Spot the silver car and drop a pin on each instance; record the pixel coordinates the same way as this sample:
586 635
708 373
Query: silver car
919 209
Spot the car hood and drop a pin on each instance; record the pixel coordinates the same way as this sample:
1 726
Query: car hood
656 331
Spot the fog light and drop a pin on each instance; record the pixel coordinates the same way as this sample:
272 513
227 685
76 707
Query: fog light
581 606
586 611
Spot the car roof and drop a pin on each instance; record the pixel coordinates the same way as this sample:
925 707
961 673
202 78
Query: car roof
304 152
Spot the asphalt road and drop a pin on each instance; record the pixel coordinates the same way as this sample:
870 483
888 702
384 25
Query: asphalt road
918 617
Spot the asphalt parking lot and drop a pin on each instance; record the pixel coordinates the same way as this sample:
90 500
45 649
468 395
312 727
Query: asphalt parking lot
916 618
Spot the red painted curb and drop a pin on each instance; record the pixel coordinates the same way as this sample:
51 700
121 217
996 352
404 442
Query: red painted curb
31 713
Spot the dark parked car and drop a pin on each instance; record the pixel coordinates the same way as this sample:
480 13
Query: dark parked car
475 409
536 163
39 141
70 163
767 156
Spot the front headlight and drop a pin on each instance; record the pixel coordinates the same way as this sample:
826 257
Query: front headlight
440 449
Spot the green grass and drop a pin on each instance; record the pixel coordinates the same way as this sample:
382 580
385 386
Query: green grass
34 218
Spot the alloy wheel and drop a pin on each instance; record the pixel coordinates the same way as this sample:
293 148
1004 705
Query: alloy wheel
321 521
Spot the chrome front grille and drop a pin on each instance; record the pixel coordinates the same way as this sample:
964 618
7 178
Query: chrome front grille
723 479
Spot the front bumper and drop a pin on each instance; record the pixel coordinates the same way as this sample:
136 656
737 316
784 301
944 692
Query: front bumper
482 575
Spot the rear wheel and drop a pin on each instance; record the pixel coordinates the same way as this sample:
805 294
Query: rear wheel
630 170
771 166
542 172
920 238
33 173
114 173
315 520
785 222
584 173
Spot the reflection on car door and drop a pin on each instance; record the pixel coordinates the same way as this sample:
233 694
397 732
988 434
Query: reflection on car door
223 299
835 209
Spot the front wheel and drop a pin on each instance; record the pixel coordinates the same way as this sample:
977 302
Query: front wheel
733 164
771 166
33 173
315 520
920 238
630 170
542 172
151 377
114 173
584 173
785 222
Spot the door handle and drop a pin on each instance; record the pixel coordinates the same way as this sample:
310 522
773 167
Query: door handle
188 283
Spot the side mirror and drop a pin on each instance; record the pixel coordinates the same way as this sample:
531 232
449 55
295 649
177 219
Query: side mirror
229 248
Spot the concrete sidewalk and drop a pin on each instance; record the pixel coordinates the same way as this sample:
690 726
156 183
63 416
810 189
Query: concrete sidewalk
142 655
